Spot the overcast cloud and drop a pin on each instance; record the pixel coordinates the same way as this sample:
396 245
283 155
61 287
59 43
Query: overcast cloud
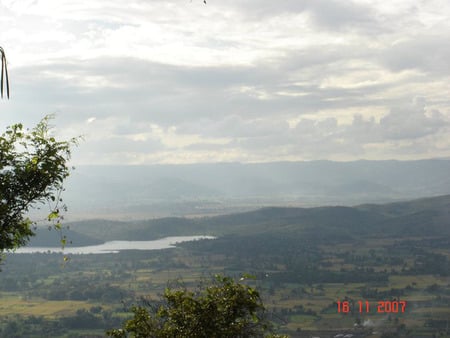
252 81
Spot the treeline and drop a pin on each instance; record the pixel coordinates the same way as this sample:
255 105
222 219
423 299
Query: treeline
96 319
83 291
290 259
310 276
301 259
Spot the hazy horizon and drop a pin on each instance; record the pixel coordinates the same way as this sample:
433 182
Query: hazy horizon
143 191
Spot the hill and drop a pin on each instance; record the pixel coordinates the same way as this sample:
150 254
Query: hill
423 217
49 238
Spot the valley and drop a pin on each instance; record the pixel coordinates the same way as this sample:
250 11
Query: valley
316 268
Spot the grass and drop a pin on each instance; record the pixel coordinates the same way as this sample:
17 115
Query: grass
418 282
14 305
302 321
150 280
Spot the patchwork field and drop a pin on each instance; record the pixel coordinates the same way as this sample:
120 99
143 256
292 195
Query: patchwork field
320 271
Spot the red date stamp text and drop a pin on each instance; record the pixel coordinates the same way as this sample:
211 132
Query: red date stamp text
364 306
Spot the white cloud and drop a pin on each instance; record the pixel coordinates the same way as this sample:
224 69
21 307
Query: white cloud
180 81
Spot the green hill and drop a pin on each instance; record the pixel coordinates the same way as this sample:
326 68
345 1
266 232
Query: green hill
423 217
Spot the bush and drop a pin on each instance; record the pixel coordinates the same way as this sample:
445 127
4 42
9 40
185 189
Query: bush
224 308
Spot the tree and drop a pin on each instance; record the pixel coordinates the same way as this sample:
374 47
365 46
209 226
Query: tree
33 166
224 308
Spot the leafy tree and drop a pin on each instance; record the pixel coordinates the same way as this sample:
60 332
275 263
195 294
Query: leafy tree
33 166
223 308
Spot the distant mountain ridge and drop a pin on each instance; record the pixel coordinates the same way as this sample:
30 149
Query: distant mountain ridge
425 217
136 192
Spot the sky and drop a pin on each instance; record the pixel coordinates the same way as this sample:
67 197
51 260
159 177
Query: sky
148 82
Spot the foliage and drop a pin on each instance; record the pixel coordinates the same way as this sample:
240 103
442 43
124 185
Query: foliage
224 308
33 166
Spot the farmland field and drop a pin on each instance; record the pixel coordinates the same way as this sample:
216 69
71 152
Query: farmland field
314 283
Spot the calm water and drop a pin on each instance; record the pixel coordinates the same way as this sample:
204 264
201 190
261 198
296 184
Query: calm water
116 246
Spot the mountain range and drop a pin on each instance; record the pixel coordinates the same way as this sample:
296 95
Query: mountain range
427 217
138 192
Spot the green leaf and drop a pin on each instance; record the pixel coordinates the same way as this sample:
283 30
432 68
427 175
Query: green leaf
52 215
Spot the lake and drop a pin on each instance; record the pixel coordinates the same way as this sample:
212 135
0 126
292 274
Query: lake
114 246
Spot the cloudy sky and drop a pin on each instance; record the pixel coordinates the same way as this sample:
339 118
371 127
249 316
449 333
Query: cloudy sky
251 81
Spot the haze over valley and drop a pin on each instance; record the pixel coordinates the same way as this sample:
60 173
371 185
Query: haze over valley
138 192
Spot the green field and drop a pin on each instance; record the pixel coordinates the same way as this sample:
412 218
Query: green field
301 274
